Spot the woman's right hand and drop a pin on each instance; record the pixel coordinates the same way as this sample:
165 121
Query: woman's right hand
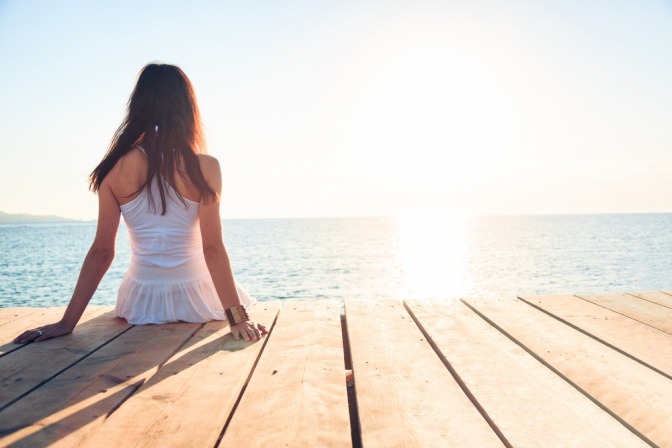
43 333
248 330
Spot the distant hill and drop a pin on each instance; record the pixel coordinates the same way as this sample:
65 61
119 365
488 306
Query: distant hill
22 217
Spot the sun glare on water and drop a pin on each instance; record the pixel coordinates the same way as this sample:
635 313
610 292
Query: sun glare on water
434 255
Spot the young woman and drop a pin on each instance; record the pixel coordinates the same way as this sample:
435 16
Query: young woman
157 176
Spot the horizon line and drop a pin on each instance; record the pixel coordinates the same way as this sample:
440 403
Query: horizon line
65 220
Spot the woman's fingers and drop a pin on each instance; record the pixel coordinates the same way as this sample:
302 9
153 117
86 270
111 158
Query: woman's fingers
255 331
236 334
239 333
19 338
43 333
249 331
43 337
25 337
29 336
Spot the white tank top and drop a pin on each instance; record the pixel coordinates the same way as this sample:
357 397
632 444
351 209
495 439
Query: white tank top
164 241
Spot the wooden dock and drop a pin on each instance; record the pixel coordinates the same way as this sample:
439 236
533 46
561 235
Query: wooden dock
547 371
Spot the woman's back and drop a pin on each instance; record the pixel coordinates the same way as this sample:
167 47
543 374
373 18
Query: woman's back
161 240
167 240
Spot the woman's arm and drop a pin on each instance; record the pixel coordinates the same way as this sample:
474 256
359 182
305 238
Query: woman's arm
97 262
215 253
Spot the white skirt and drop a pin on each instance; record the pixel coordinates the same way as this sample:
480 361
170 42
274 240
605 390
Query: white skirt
152 295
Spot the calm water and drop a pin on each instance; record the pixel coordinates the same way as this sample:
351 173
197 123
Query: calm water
376 258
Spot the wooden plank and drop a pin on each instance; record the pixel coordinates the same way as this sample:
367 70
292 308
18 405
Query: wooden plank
23 322
644 311
12 329
646 344
658 297
36 319
73 402
405 395
23 370
298 385
11 314
204 379
634 394
502 377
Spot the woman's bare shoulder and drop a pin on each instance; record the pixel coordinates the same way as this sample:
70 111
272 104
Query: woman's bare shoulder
130 170
209 165
211 171
207 160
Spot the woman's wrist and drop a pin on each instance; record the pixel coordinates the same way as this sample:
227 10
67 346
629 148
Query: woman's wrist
236 314
67 325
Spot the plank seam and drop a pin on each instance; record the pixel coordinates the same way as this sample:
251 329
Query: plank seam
666 292
602 341
133 390
18 347
178 348
247 380
351 391
622 314
650 301
561 375
139 384
458 379
40 384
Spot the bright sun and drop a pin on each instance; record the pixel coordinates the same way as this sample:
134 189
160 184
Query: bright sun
432 124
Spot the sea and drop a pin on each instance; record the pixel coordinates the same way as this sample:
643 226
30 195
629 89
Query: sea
413 257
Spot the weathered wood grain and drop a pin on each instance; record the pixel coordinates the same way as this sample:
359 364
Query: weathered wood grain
646 344
11 314
658 297
23 370
25 321
505 369
405 395
650 313
188 400
634 394
503 377
297 394
73 402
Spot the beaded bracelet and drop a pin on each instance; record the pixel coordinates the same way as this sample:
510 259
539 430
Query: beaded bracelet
236 314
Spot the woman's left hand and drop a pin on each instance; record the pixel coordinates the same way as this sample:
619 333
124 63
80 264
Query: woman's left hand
44 333
248 330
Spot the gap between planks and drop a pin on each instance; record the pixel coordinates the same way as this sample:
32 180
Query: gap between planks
397 399
589 367
640 342
549 412
456 376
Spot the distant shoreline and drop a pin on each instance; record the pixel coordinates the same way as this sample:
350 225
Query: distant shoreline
24 218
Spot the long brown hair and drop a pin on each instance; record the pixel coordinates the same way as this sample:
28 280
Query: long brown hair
163 118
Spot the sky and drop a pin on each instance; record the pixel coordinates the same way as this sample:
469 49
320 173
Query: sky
355 108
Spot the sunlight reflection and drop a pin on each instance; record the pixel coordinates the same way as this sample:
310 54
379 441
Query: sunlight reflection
434 255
